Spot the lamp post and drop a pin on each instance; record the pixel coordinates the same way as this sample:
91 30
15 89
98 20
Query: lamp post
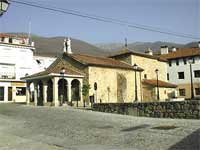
158 94
190 61
135 67
62 73
3 6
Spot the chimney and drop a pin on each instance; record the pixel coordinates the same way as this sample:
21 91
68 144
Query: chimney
67 46
32 44
149 52
199 44
173 49
164 50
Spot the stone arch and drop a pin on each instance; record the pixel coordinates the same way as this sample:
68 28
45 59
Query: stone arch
49 91
62 90
121 88
75 90
40 101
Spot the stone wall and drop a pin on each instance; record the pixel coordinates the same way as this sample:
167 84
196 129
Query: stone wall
184 109
108 87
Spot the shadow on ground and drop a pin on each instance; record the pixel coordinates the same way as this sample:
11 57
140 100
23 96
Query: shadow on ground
135 128
191 142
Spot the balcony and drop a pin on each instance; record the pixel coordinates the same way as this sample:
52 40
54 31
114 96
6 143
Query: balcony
7 76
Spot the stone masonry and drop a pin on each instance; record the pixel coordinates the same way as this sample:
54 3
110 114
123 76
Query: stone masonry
182 109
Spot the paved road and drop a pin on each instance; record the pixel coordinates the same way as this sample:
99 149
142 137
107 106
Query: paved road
49 128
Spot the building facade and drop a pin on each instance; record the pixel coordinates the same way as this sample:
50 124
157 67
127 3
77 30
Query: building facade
184 70
16 60
154 83
110 81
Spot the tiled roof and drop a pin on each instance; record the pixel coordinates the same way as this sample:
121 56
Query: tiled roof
128 52
13 36
101 61
184 52
160 83
55 68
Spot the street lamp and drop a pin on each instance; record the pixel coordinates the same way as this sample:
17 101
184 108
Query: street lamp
135 67
158 94
3 6
62 73
190 61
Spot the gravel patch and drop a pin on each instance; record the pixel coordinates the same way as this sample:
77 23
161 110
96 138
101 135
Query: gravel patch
24 126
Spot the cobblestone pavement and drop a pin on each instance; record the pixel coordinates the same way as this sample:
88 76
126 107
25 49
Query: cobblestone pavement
49 128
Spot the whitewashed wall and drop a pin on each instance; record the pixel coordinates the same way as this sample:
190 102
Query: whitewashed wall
174 69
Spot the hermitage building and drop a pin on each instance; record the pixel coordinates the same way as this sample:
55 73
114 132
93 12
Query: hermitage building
123 77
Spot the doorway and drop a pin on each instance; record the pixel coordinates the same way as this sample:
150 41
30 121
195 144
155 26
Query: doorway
1 93
9 93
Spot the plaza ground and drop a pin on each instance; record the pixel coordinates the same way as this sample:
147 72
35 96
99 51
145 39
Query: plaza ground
36 128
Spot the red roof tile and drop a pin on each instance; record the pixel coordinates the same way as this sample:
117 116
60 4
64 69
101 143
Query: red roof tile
13 36
101 61
184 52
160 83
55 68
128 52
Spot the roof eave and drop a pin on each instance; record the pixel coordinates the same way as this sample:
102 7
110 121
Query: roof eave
51 75
117 67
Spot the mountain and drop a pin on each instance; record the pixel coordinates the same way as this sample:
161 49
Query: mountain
138 46
53 46
110 47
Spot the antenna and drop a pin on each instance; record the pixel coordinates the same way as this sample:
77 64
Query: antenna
29 31
126 43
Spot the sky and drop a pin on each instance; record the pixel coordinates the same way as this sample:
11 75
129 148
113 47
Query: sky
181 16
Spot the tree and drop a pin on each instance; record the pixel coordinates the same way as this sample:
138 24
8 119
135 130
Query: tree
85 92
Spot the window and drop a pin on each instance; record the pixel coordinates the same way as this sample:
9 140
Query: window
145 76
184 61
167 76
170 63
4 77
197 73
181 75
10 40
2 39
182 92
20 91
95 86
197 91
193 60
177 62
1 93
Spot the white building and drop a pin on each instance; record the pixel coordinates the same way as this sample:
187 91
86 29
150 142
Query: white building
43 61
179 69
17 60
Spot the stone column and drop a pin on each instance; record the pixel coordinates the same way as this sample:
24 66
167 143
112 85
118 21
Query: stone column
14 90
27 93
80 87
55 91
35 94
45 92
69 92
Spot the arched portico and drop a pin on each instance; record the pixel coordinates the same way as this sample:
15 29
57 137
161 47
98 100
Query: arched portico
62 91
49 91
52 89
76 91
40 99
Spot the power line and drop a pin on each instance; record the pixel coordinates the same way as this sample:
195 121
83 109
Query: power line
105 19
120 22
